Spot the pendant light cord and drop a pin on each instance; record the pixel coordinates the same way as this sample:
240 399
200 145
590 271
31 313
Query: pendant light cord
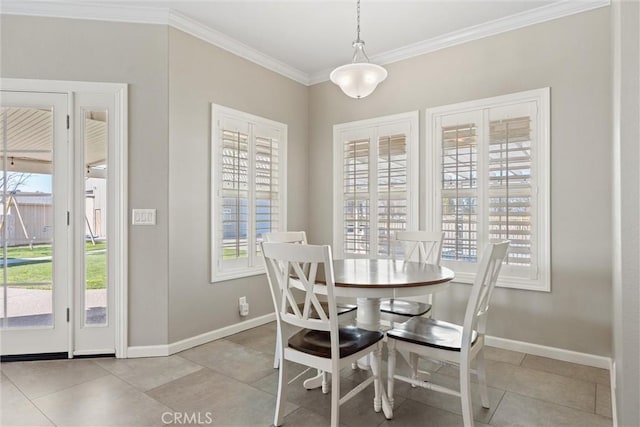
358 27
360 78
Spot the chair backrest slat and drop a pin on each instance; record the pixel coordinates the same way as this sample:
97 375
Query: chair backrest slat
427 244
292 266
286 237
299 237
483 286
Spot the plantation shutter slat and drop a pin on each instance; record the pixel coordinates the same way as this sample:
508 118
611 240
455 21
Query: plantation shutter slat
459 165
357 214
510 190
392 192
267 183
234 192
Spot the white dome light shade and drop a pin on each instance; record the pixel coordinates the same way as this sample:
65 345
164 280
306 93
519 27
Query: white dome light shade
359 79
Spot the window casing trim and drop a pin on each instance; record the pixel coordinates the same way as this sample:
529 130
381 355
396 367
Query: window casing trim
219 112
541 182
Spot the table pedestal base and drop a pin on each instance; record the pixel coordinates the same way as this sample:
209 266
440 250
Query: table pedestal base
316 382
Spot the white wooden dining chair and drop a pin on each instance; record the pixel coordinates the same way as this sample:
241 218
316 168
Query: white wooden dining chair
421 246
321 343
300 237
449 342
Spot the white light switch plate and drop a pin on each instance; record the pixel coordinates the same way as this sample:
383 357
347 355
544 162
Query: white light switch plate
143 217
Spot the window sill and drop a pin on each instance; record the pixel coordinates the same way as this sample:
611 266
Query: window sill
511 282
238 274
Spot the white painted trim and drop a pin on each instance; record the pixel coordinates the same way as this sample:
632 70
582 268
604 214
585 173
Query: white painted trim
89 11
477 32
220 333
503 343
401 122
612 380
465 271
178 346
158 16
164 16
550 352
93 352
216 38
255 264
120 91
121 262
147 351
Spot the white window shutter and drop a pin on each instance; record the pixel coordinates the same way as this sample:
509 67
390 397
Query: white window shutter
357 199
376 189
459 190
510 188
248 189
490 182
393 197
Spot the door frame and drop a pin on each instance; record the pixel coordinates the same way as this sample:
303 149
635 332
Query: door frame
119 168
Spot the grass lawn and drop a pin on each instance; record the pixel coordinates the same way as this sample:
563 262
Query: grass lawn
96 266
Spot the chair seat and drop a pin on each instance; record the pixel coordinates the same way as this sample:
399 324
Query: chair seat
318 343
342 309
404 307
431 333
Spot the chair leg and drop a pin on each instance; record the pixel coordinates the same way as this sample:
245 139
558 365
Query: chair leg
335 398
465 392
282 394
391 369
276 357
325 382
413 361
432 301
482 378
375 358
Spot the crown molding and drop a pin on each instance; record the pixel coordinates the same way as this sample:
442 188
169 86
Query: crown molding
83 10
216 38
164 16
497 26
149 15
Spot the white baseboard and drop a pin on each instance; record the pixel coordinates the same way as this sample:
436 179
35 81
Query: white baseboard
147 351
550 352
178 346
504 343
614 408
220 333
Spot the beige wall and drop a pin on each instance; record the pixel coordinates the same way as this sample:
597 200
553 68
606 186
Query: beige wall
174 77
572 56
200 74
66 49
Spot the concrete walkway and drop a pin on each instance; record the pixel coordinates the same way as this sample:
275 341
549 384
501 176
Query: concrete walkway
35 302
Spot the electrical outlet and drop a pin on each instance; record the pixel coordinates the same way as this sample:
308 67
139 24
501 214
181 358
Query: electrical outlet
243 306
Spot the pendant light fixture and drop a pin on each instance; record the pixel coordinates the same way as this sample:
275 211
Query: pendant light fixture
360 78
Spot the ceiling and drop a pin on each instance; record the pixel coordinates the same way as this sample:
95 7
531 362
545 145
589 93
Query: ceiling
29 142
305 39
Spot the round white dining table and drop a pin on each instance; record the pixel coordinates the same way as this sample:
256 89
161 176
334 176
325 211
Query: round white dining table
369 280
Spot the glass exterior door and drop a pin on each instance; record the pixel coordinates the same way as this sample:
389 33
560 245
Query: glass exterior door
95 130
34 230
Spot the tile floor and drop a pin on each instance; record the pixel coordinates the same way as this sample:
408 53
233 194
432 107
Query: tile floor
231 382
